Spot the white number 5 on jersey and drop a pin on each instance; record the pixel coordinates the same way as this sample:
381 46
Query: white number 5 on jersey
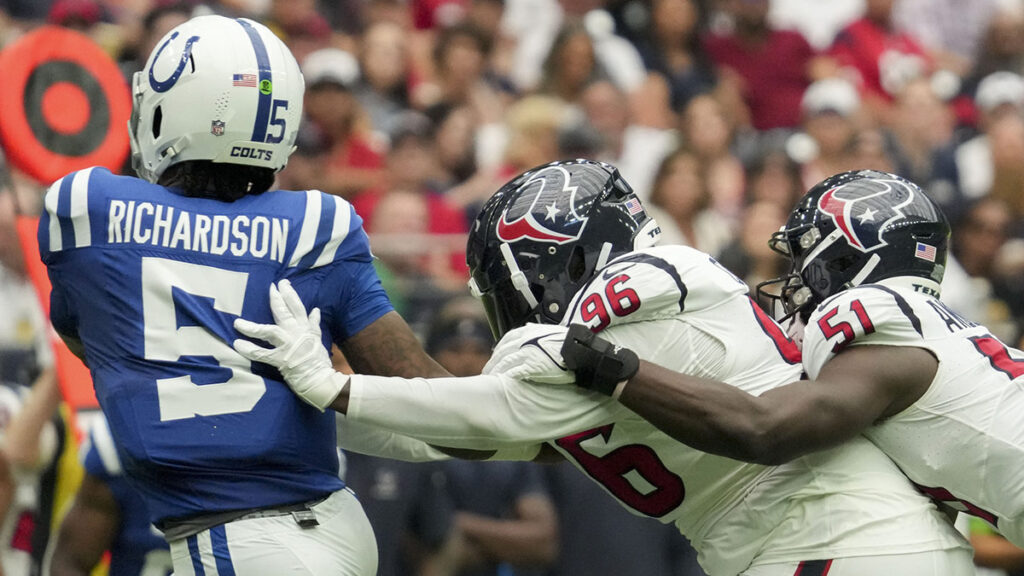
179 397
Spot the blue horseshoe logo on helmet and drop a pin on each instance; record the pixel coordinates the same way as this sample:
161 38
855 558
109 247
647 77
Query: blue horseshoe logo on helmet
165 85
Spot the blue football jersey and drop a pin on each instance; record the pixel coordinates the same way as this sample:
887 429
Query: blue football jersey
151 281
138 549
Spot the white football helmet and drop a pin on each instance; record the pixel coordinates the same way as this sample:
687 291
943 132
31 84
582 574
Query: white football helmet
216 88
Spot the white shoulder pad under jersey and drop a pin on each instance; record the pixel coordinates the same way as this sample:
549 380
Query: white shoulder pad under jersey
882 316
653 284
869 314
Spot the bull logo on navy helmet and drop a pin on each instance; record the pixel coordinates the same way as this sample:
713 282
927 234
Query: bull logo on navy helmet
545 211
863 209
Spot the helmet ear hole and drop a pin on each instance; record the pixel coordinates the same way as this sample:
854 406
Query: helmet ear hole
158 119
843 263
577 265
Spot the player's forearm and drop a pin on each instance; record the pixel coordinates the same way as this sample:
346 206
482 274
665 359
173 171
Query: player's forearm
481 412
25 433
782 424
365 439
388 347
708 415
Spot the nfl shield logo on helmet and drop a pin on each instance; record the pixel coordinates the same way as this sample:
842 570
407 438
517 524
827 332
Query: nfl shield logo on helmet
217 128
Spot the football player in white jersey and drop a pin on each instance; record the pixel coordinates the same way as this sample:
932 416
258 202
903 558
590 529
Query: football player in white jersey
938 393
570 241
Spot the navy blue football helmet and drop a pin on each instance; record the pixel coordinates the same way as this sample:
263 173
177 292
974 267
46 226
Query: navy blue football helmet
544 234
856 228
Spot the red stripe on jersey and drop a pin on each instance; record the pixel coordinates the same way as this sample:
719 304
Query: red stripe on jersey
813 568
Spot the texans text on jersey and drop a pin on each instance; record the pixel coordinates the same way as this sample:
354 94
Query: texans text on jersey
159 225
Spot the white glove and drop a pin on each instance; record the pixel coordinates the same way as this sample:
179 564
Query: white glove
298 351
532 353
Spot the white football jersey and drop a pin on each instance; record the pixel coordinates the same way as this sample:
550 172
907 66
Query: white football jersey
677 307
963 440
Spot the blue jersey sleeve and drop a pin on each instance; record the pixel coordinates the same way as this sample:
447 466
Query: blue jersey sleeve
353 298
333 247
62 314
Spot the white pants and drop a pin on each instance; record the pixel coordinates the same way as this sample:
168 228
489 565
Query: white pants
953 562
342 544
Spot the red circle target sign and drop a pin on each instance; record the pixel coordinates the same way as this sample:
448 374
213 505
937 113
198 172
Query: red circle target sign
64 105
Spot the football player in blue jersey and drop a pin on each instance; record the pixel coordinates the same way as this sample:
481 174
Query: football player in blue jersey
149 273
107 514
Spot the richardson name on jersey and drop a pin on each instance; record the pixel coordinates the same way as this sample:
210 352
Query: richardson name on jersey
159 225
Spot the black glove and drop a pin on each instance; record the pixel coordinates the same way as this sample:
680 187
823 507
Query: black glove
599 365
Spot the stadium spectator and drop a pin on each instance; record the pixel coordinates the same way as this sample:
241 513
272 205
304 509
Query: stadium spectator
300 25
879 58
413 167
411 513
626 140
532 126
982 285
671 47
30 442
30 430
922 131
951 31
355 161
571 65
384 87
681 203
829 107
160 19
748 255
460 57
774 177
409 253
1002 47
707 132
637 546
771 68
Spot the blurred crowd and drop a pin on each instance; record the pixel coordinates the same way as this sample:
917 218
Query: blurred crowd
719 113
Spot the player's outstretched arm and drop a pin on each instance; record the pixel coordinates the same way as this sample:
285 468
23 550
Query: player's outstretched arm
388 347
87 530
857 388
478 413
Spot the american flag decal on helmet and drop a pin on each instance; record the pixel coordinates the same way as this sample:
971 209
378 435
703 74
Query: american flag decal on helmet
925 252
634 207
247 80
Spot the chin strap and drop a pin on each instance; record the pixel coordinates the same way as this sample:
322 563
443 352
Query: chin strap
519 281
